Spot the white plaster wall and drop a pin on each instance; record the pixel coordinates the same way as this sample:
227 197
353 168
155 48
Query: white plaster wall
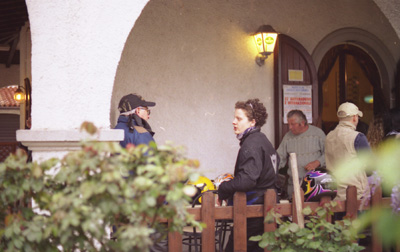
391 9
76 46
195 64
310 21
196 59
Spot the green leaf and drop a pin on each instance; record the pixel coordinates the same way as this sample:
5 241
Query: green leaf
321 212
17 243
16 228
255 238
315 244
293 227
34 236
307 211
263 244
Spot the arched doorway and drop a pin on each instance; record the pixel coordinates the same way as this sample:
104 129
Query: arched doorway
348 73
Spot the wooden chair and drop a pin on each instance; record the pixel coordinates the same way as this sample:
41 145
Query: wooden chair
192 236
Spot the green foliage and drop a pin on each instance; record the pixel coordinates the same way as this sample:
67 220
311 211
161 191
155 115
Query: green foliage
76 208
384 162
318 234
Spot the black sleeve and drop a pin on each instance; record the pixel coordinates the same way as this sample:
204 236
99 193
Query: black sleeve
248 171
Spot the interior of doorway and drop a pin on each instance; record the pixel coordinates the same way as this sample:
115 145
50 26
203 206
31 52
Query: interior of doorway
347 73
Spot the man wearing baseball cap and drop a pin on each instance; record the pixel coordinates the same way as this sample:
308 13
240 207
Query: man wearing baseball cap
134 113
342 144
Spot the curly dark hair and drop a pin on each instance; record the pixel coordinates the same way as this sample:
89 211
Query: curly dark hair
376 132
254 109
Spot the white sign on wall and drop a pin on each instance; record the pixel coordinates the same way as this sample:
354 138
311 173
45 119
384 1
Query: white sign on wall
297 97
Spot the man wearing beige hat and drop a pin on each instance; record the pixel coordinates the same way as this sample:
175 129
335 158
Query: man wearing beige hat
342 144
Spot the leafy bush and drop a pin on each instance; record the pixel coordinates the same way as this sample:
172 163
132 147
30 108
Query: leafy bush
318 234
79 198
384 163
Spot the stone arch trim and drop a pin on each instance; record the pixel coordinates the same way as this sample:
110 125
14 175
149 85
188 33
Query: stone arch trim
370 44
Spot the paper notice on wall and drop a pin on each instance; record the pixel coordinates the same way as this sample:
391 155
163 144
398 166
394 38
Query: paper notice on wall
295 75
297 97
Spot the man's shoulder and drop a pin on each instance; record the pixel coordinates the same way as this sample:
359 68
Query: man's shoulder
121 125
257 134
361 138
333 132
288 134
140 129
255 139
316 129
137 129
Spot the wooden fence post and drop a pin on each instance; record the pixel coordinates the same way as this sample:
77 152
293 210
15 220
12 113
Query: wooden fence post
239 222
269 204
351 202
298 196
174 241
375 202
208 217
296 208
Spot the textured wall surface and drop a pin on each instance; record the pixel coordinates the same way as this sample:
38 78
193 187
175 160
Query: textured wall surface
196 59
391 9
76 46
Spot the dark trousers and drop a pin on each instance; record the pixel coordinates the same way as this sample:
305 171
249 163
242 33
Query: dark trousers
255 226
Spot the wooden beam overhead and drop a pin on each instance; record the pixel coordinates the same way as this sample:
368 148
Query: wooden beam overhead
13 15
12 50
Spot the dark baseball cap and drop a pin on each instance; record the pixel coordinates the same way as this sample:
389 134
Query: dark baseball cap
131 101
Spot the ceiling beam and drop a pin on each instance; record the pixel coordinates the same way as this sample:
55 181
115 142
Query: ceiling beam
13 48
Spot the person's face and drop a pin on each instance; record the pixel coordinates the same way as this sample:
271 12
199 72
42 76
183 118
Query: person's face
241 122
295 127
143 112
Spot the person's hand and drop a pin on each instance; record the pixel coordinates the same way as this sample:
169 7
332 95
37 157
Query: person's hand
312 165
219 201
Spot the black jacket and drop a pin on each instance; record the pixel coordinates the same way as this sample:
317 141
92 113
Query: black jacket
255 169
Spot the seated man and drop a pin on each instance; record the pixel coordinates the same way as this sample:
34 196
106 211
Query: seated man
307 141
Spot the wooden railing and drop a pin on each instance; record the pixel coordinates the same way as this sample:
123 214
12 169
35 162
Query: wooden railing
239 213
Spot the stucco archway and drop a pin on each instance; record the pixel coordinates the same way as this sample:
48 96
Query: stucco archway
76 48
